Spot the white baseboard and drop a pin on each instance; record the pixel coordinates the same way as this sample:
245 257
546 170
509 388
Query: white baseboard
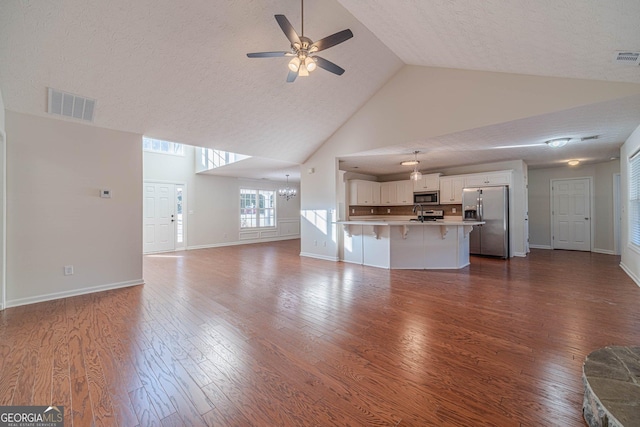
316 256
520 254
603 251
630 274
539 246
73 293
243 242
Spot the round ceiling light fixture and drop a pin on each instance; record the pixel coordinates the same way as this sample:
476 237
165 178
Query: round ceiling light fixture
558 142
573 162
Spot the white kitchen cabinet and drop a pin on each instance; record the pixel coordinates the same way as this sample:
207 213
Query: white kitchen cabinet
396 193
451 189
388 193
364 192
428 182
488 178
404 192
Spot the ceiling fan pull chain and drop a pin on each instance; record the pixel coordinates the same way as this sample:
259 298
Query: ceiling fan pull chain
302 16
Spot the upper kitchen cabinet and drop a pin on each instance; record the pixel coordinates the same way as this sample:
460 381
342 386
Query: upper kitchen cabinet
451 189
404 192
396 193
364 192
429 182
488 178
388 193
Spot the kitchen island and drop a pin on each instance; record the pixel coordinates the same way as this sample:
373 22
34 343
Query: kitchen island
404 244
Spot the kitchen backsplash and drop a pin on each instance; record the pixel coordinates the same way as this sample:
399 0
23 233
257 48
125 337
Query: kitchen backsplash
401 210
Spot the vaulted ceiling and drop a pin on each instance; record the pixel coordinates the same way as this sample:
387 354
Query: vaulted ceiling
179 71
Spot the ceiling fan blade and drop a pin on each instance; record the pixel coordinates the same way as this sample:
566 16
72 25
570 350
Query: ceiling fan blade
331 40
287 29
292 76
328 65
268 54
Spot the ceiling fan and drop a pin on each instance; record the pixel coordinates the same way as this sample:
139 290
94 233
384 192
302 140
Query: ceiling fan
303 50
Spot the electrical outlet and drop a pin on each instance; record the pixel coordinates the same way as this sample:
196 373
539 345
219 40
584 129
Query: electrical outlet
454 210
389 210
353 211
68 270
371 210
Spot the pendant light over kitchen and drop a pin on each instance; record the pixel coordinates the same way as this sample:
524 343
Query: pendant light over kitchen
415 175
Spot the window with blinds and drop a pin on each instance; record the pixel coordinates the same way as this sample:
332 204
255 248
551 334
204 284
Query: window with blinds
634 199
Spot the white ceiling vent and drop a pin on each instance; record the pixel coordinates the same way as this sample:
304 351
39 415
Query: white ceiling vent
70 105
627 58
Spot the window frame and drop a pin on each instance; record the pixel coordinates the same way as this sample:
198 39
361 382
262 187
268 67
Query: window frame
259 212
173 148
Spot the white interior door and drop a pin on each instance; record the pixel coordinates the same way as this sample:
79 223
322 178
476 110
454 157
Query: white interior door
571 213
159 217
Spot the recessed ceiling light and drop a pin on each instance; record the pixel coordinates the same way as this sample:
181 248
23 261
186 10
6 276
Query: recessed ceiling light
573 162
410 162
558 142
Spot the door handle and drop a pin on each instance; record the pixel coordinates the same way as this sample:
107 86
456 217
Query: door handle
587 219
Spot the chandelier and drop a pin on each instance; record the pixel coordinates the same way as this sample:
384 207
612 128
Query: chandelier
287 192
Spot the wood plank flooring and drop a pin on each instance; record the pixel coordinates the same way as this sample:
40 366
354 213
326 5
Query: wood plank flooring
255 335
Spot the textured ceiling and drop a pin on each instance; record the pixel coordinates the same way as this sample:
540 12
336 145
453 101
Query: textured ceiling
559 38
179 71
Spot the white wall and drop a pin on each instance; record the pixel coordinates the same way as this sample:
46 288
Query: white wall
419 103
630 260
540 202
213 202
55 217
3 167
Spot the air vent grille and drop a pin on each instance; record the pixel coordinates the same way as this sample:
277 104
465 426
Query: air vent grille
70 105
627 58
589 138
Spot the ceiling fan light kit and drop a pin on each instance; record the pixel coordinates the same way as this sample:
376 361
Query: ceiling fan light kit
304 49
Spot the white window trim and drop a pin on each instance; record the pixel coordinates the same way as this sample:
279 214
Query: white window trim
275 208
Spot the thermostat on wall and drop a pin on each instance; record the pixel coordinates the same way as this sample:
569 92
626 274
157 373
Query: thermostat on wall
105 194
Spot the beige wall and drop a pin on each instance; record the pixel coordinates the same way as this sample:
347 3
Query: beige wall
55 217
602 191
630 260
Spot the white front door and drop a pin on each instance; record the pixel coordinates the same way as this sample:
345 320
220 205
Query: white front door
571 213
159 217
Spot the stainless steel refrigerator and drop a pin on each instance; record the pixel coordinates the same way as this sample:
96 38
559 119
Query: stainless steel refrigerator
491 205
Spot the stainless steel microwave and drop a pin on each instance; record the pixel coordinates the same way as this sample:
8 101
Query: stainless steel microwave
427 198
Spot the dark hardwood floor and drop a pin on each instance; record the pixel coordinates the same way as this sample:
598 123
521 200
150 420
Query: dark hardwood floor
255 335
